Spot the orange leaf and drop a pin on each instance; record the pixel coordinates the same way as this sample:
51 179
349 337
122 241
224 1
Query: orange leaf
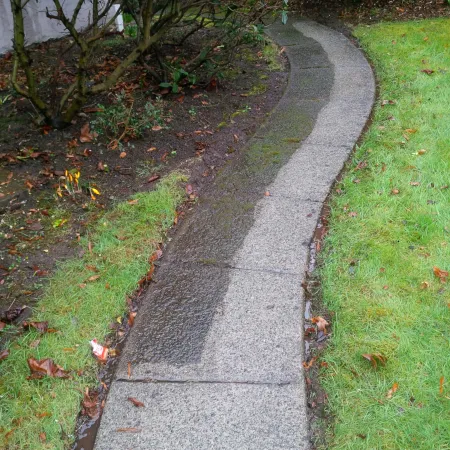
441 385
392 391
136 402
321 323
441 274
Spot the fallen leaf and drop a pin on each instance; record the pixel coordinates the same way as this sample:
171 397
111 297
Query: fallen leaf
267 194
93 278
42 327
131 318
136 402
153 178
189 189
308 365
4 354
392 391
422 151
321 323
128 430
424 285
129 370
100 167
427 71
86 135
414 183
352 214
45 367
90 405
151 149
123 154
441 274
360 165
91 268
156 128
374 357
395 192
133 202
441 385
11 314
42 437
2 325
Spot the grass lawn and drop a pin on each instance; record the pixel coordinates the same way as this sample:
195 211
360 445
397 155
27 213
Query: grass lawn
83 297
389 226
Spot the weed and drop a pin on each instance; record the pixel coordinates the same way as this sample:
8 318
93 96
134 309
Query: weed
122 121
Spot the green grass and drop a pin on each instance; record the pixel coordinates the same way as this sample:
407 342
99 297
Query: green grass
374 263
122 242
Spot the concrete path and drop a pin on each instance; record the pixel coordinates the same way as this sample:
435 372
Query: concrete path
216 350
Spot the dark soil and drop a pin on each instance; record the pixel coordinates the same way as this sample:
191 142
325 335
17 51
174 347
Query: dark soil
202 126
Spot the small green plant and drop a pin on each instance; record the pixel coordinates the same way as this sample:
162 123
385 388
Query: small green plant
131 30
121 121
178 75
4 99
193 112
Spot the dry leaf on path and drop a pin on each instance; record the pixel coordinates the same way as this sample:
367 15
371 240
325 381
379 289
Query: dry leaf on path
136 402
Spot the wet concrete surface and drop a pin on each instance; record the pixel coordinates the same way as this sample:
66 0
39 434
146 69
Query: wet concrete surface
217 346
174 320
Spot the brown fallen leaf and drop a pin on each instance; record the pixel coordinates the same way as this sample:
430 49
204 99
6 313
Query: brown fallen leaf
374 357
189 189
136 402
308 365
86 135
441 385
153 178
131 318
441 274
100 167
156 128
128 430
424 285
395 192
321 323
392 391
4 354
93 278
11 314
2 325
267 194
129 369
90 404
45 367
122 154
42 327
91 268
427 71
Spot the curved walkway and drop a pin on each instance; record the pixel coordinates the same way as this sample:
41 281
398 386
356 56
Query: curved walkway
216 350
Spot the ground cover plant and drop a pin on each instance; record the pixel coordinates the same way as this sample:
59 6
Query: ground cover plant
83 297
386 259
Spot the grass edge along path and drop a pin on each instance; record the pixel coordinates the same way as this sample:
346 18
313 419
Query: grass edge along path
83 297
389 226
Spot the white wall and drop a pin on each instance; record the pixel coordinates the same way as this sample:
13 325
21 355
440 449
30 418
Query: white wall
38 27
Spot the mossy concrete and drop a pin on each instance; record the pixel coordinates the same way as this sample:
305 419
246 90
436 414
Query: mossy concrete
216 350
